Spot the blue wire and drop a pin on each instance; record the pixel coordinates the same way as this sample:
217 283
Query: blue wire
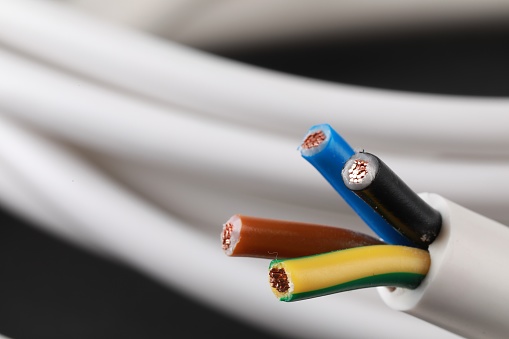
329 158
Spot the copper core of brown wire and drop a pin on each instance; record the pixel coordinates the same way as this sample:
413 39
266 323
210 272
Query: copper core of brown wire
226 236
313 140
357 171
279 280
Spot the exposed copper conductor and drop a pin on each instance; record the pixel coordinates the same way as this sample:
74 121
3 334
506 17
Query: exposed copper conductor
313 140
279 279
357 171
226 236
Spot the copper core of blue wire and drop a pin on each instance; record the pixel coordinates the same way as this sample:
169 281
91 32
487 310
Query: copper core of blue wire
314 140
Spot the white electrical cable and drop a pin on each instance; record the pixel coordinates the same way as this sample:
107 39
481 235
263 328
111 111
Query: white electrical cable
171 73
225 24
465 290
165 248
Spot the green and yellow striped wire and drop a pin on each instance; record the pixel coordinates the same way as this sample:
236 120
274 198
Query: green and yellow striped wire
349 269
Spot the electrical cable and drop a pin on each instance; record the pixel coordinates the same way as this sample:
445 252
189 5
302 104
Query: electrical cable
361 267
248 236
465 290
174 93
328 152
374 182
149 239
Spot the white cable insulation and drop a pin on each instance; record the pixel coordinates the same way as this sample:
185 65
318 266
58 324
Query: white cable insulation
251 24
171 73
167 250
465 290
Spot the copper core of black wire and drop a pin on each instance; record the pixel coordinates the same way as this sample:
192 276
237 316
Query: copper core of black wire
313 140
279 279
397 203
357 171
226 236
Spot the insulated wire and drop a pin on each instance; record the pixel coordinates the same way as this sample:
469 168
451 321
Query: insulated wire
328 152
374 182
349 269
149 240
249 236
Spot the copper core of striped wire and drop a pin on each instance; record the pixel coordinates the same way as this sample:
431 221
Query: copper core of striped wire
279 280
358 171
226 236
313 140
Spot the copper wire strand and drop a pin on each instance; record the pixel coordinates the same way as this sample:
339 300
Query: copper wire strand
226 236
313 140
358 171
279 279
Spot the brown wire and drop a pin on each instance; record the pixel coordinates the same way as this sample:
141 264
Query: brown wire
271 238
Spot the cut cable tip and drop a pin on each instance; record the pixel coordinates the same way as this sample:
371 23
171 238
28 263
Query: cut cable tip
315 139
230 234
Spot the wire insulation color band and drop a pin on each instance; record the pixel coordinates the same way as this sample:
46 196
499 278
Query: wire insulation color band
338 271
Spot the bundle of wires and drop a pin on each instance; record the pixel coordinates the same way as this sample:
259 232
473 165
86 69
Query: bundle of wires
312 260
104 166
389 207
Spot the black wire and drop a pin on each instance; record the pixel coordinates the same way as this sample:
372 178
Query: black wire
387 194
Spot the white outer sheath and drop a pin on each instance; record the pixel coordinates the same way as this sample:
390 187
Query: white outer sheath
466 290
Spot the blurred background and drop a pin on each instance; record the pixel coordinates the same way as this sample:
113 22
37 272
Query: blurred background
130 131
